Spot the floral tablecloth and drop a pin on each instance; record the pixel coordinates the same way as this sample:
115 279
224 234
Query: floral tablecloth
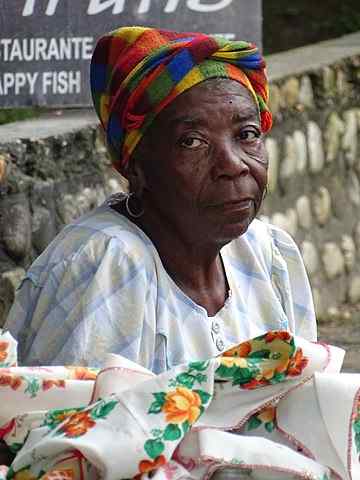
274 407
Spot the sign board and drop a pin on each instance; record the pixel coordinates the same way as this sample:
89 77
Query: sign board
46 45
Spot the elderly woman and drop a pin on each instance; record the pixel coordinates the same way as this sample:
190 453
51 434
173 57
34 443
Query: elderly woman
179 269
171 276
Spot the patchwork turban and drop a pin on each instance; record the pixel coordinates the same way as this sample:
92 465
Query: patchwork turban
136 72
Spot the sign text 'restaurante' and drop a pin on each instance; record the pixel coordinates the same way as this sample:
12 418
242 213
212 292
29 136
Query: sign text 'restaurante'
46 45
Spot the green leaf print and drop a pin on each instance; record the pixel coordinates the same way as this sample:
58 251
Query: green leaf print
357 442
243 375
269 426
172 432
32 387
156 432
15 447
103 409
199 366
205 397
53 418
253 423
200 378
293 347
260 354
155 407
277 378
158 403
160 397
185 426
154 447
186 380
225 372
356 426
11 474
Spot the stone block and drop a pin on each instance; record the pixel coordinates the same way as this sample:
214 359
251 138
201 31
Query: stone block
329 81
350 138
303 209
333 133
306 94
43 228
272 150
333 260
15 226
354 189
310 256
315 145
9 281
274 99
290 92
300 151
354 289
322 205
349 251
288 163
3 166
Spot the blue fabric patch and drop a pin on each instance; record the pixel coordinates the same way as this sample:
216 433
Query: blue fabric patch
114 130
98 77
180 65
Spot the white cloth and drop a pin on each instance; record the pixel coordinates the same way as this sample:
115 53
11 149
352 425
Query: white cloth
294 415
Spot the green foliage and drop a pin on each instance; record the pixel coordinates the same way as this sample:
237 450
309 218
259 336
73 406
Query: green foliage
253 423
18 114
154 447
185 426
204 396
103 409
32 387
259 354
172 432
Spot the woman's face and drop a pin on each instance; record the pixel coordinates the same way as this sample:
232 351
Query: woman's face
204 163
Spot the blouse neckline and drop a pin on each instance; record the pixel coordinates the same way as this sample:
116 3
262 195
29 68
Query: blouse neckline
171 281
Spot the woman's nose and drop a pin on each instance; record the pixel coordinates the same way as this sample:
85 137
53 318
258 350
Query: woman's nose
230 162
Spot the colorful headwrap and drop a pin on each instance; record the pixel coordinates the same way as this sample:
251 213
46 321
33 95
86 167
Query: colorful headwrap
137 71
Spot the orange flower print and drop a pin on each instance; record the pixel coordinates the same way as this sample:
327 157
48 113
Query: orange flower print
254 383
146 466
3 351
82 373
182 405
63 474
78 424
241 350
5 380
297 363
16 383
281 335
47 384
24 474
267 415
234 361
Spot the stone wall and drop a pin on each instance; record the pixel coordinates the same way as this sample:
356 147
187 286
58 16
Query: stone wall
314 189
53 170
47 179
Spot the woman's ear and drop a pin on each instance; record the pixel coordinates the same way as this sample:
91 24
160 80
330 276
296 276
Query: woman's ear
136 177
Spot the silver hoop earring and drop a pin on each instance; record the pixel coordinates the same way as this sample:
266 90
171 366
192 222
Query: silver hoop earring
264 193
128 209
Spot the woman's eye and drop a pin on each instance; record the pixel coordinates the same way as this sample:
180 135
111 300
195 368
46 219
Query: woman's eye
249 135
191 142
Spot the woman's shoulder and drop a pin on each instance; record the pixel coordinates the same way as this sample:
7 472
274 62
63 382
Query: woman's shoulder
102 233
265 242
